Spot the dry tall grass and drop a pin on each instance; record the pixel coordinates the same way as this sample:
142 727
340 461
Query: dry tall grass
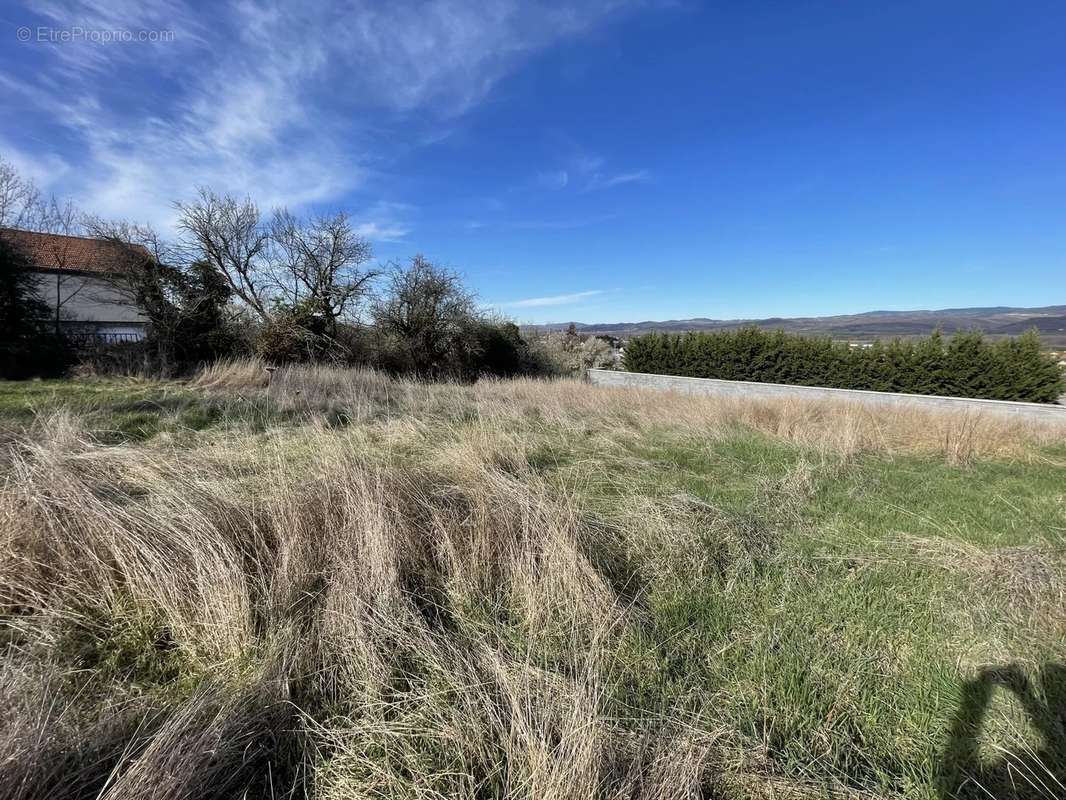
369 600
320 621
838 428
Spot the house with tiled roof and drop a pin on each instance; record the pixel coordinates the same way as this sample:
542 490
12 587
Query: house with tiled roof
75 281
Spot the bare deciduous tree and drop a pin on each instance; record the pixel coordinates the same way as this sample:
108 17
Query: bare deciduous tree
134 246
23 207
318 263
321 262
65 251
146 271
20 199
229 234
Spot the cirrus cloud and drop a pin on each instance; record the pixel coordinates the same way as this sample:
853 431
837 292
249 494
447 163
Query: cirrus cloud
292 104
553 300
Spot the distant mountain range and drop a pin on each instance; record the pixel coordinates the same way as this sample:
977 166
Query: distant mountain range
996 321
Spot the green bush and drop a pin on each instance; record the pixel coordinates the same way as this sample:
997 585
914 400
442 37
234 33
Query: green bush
500 351
966 365
283 340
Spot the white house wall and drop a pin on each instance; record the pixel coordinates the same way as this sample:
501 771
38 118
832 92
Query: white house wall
87 299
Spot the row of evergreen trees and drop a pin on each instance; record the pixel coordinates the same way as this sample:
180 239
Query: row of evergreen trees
965 365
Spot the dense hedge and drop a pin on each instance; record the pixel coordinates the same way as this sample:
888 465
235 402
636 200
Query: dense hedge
966 365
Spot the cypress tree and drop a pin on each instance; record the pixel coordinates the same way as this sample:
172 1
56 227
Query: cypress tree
964 366
929 375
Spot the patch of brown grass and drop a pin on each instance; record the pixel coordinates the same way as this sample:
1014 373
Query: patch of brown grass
837 428
393 608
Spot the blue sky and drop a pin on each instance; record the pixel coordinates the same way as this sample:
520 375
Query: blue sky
597 161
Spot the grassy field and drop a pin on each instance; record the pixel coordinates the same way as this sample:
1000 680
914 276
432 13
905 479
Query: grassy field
336 585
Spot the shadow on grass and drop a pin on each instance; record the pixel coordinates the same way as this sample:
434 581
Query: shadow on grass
1028 773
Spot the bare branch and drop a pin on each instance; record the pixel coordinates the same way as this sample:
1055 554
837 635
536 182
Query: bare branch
20 199
321 261
227 233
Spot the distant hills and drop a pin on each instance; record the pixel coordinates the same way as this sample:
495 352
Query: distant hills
995 321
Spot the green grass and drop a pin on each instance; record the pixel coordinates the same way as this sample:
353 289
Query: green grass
842 648
989 503
117 410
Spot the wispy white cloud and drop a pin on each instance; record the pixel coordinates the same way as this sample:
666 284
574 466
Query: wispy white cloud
98 49
602 181
45 170
236 121
267 97
384 222
587 163
554 300
566 224
558 224
553 180
381 232
585 170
